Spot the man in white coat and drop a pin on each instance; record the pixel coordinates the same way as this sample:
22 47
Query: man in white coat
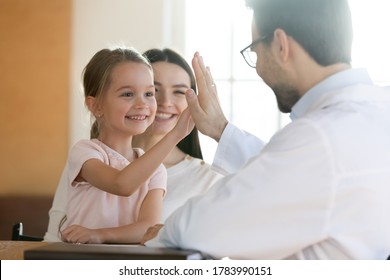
320 188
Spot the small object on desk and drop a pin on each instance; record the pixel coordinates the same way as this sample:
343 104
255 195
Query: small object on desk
17 234
68 251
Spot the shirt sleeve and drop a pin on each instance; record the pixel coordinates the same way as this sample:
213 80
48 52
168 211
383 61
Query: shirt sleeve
159 179
234 150
57 211
80 153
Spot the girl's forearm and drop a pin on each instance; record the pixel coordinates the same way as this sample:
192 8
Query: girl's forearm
129 234
136 173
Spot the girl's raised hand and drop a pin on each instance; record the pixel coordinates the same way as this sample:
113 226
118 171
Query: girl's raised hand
184 125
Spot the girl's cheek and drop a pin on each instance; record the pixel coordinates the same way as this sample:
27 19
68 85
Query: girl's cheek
154 105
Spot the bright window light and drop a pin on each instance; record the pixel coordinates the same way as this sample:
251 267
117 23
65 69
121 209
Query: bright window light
371 45
219 29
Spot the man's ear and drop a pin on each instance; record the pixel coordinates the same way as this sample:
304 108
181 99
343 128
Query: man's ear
282 45
92 106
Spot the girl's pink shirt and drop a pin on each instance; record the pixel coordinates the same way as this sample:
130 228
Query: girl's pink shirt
91 207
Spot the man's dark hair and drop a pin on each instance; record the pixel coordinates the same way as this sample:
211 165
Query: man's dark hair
322 27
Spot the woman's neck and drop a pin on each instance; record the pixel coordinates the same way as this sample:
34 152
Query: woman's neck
174 157
145 142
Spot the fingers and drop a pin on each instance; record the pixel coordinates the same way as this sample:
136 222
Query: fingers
203 75
187 115
72 234
200 73
151 233
204 79
185 124
206 106
211 81
192 100
193 103
190 122
65 234
197 64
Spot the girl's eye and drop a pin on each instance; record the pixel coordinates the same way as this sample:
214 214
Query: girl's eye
127 94
149 94
179 92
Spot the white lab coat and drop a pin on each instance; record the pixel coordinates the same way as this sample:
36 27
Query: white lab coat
319 189
234 149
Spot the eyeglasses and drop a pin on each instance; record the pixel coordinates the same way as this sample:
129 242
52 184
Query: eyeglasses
249 55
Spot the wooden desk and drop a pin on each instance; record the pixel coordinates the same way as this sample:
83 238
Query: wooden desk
14 250
68 251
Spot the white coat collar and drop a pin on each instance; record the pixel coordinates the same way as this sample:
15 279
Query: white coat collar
334 82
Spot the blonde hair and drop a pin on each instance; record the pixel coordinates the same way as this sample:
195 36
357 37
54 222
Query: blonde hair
97 74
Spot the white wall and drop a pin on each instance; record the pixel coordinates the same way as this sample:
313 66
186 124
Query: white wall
98 24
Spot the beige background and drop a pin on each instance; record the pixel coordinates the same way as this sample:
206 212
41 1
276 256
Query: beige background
34 97
44 46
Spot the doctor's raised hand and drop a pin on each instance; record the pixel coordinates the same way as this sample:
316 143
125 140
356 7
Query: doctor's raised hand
205 108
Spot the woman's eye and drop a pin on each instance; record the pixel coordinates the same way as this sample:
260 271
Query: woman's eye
179 92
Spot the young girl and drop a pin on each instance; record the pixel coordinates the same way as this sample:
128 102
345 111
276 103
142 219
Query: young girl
115 192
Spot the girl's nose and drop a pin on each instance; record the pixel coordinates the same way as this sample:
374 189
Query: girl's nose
141 102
